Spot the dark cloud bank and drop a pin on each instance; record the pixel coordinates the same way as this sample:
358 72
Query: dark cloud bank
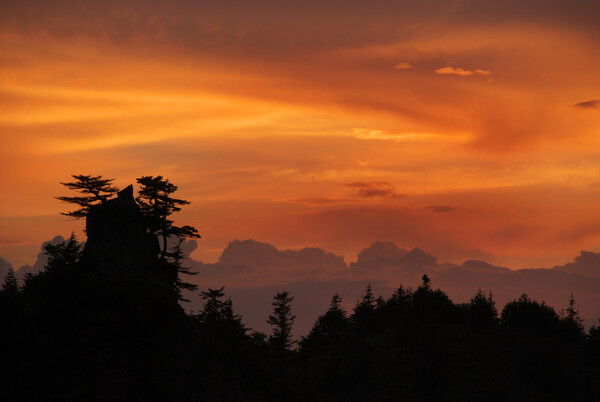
252 272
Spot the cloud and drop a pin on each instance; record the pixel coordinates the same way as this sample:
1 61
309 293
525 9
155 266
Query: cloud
387 254
591 104
485 73
586 263
452 70
374 189
441 208
462 72
403 66
260 255
381 249
8 241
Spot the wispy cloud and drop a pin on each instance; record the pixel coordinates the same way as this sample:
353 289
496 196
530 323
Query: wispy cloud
405 65
591 104
462 72
374 189
374 134
485 73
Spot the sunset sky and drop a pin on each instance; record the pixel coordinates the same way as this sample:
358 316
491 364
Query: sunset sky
470 129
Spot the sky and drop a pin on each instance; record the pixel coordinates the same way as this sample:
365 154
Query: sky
470 129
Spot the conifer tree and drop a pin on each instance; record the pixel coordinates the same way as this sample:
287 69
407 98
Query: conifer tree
10 284
157 205
95 190
364 310
64 254
282 320
482 311
216 309
572 322
333 323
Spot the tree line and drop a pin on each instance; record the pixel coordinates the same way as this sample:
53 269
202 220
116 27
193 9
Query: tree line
71 333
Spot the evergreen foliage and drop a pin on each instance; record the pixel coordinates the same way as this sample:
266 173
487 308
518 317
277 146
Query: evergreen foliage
95 190
10 284
63 255
157 205
282 320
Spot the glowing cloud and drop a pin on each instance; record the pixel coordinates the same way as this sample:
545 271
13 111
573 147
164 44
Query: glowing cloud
403 66
462 72
452 70
373 134
485 73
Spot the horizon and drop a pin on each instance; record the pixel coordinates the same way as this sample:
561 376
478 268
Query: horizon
353 259
252 271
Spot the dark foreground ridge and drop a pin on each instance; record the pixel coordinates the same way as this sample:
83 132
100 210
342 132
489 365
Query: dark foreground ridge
105 324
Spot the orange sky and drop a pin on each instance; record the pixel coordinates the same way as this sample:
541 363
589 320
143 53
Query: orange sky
468 128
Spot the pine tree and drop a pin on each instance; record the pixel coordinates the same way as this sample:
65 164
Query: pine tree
176 255
10 284
96 190
282 321
214 308
426 284
481 311
363 316
572 323
332 324
157 205
64 254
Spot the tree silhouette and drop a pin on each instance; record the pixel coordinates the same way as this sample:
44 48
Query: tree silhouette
363 316
525 314
215 309
481 311
10 284
282 321
571 322
332 324
96 190
64 254
157 205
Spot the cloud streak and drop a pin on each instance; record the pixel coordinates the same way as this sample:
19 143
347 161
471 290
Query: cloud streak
461 72
374 189
591 104
403 66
